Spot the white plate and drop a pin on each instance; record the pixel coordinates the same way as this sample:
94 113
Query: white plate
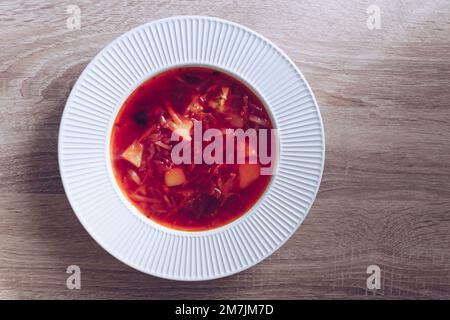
85 134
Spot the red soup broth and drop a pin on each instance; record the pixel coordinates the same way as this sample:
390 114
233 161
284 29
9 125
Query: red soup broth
190 197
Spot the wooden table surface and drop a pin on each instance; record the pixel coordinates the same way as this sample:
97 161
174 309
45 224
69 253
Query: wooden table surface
384 200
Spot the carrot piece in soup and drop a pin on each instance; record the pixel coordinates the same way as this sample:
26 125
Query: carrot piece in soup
134 153
247 174
174 177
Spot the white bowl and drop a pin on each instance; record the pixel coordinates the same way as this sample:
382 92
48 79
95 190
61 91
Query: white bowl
84 142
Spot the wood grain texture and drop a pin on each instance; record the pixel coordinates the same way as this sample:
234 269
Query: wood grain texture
385 195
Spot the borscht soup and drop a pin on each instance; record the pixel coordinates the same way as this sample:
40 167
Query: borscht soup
186 148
